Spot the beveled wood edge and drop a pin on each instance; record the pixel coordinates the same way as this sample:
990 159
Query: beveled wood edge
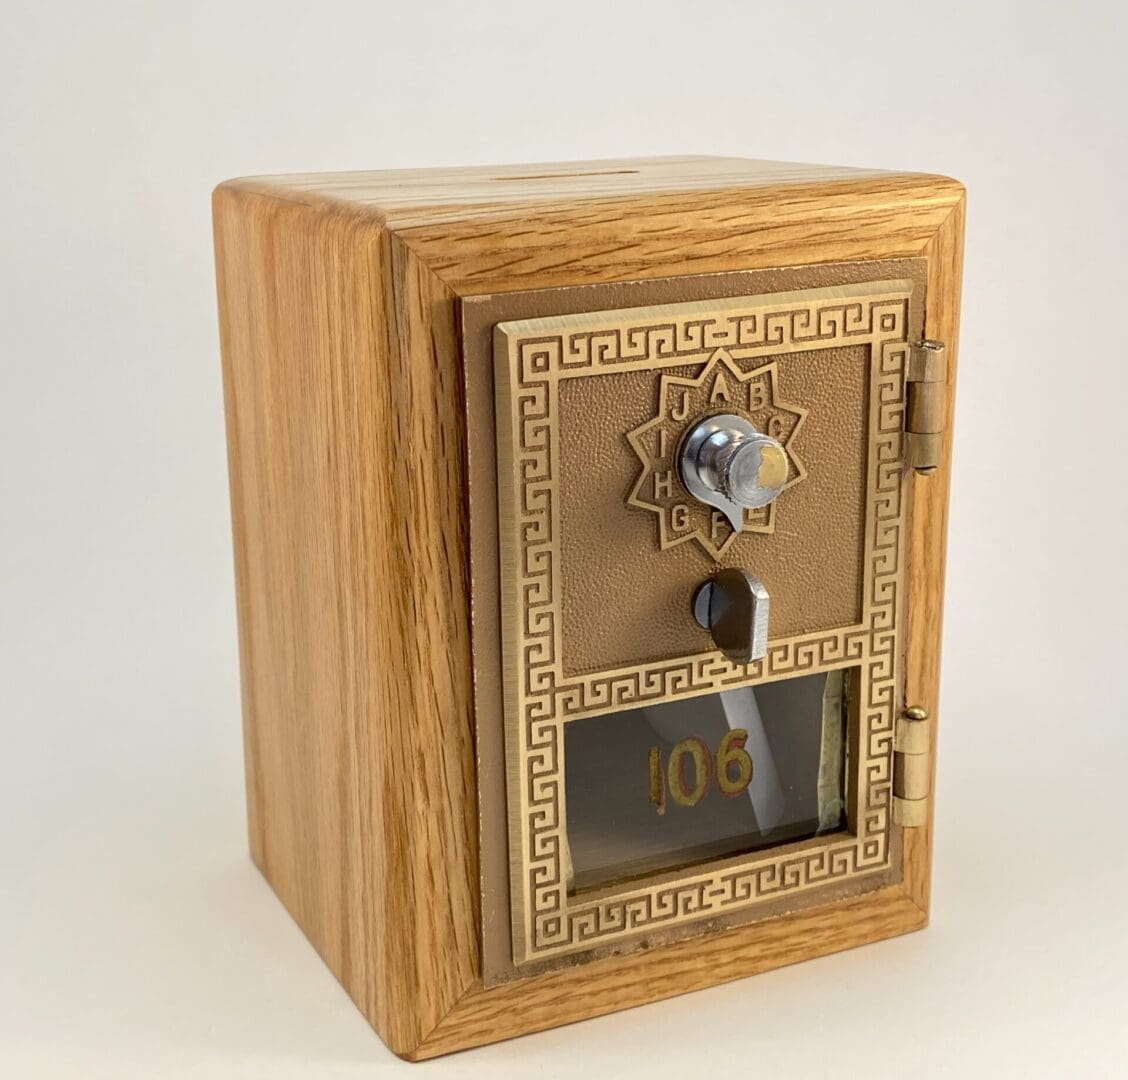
586 242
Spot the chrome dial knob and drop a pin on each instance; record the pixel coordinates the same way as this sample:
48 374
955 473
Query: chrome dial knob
726 463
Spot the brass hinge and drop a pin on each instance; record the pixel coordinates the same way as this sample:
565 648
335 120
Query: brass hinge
912 767
927 404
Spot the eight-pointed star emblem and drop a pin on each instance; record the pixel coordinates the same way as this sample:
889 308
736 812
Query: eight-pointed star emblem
722 387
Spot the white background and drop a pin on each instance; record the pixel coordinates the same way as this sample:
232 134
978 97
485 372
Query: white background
136 939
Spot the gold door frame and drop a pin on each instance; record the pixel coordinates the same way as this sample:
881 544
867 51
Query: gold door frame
531 358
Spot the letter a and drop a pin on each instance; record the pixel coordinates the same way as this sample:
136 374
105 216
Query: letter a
720 389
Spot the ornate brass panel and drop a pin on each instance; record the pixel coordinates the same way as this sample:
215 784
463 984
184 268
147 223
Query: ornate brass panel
538 364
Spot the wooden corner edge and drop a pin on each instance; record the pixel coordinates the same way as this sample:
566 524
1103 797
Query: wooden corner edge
264 188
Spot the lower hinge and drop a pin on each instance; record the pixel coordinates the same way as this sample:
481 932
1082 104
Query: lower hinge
912 767
926 406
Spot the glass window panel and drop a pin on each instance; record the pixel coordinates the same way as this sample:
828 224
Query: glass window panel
671 785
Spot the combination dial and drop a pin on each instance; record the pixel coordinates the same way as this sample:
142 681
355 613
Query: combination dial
727 464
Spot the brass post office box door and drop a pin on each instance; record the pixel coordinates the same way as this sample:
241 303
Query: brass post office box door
655 784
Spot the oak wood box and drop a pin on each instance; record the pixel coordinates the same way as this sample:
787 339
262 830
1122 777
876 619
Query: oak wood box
544 715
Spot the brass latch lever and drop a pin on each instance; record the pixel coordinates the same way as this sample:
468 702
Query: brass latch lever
733 606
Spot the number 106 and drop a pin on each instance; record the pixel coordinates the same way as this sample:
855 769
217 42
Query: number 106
733 770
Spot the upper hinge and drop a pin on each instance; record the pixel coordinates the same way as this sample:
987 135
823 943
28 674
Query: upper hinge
927 404
912 767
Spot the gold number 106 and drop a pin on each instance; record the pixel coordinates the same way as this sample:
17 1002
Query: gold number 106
733 770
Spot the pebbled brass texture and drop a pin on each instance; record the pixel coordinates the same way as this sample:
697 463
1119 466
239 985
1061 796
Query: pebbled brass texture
574 550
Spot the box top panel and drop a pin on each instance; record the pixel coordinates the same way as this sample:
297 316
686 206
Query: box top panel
401 194
494 229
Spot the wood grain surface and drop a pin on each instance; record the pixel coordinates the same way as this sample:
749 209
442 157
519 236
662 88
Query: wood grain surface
347 436
347 495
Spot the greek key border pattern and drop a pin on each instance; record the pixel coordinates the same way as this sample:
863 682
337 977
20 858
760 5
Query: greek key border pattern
531 359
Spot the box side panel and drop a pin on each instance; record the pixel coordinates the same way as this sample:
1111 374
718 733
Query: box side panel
355 676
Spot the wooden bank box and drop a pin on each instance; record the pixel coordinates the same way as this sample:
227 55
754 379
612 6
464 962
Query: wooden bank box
589 533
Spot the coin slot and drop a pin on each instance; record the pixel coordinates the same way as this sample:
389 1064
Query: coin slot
566 175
